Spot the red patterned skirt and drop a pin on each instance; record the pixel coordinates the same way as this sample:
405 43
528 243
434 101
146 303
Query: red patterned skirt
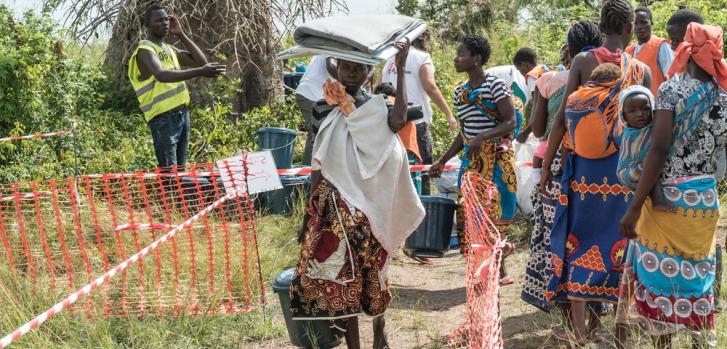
340 270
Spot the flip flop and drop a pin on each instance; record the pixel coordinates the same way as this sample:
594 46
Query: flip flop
422 260
506 281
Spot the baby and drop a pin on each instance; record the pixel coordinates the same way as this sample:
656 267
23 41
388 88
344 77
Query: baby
605 72
636 111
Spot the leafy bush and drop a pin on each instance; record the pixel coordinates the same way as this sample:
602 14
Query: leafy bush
44 89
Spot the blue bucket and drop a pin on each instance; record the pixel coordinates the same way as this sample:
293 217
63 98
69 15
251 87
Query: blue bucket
280 141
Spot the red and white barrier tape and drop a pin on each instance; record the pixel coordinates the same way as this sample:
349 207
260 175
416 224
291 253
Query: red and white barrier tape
85 290
41 135
412 168
26 196
298 171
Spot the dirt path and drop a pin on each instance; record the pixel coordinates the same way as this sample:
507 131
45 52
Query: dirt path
429 301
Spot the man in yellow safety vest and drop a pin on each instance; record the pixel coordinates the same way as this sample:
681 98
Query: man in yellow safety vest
157 77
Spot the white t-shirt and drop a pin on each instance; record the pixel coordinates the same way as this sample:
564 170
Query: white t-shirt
531 82
513 79
414 89
311 84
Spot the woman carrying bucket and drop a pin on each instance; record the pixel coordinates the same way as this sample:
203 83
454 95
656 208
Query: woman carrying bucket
363 204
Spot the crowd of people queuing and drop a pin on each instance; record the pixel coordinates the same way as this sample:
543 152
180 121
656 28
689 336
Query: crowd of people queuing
625 212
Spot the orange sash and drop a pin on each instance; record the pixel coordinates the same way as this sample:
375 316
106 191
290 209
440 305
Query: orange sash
592 113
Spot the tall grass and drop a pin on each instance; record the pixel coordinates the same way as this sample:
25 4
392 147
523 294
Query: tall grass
73 329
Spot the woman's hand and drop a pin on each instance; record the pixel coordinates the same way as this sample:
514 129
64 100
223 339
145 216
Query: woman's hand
545 178
402 54
522 138
475 147
628 222
436 169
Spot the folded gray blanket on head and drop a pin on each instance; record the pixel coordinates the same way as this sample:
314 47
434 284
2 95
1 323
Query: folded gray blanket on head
366 39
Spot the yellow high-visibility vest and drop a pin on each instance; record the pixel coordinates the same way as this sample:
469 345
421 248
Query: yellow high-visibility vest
157 97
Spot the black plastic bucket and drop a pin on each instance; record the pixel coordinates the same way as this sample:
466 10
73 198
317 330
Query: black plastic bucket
303 333
433 237
280 141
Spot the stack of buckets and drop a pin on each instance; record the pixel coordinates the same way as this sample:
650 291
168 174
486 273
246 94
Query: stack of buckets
281 142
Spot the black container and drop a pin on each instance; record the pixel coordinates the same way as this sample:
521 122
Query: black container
281 201
291 81
303 333
433 237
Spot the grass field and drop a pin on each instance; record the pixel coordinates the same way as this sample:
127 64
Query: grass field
423 312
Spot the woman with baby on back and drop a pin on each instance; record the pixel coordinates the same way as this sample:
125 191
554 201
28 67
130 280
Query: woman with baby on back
586 247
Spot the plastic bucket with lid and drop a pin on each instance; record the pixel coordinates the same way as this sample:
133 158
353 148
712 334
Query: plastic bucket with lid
434 236
280 141
303 333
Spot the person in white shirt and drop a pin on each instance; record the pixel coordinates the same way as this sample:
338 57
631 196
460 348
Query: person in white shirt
310 91
513 79
421 88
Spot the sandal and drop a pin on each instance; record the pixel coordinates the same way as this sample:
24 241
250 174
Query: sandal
422 260
506 281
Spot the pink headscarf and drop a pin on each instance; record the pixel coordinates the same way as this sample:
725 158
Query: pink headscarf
702 43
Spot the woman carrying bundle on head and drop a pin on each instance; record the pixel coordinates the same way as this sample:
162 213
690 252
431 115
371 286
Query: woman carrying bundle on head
363 204
670 265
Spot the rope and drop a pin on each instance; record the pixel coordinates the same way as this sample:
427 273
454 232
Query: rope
36 136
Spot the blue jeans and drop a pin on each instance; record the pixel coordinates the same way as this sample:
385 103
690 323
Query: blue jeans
170 132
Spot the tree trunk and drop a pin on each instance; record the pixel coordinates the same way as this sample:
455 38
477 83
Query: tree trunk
238 33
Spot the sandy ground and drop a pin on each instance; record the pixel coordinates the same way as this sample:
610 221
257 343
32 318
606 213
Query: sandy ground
429 301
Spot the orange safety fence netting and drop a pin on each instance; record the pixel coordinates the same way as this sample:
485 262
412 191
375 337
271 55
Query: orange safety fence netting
481 328
57 236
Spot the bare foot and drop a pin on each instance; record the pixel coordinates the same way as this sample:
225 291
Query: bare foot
380 341
595 336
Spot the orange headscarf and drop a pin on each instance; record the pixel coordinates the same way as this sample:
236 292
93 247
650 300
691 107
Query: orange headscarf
335 94
703 44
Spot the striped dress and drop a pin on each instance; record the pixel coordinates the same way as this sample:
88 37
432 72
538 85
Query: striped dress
476 109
